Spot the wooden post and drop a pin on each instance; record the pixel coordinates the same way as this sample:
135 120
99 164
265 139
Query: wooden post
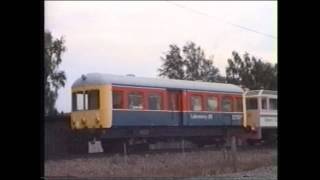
234 152
125 152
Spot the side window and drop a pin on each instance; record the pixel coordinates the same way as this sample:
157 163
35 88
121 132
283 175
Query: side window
273 104
212 103
196 103
74 101
135 100
154 101
226 104
117 100
264 103
238 105
252 103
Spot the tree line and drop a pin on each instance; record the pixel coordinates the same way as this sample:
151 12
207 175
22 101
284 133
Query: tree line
187 63
191 63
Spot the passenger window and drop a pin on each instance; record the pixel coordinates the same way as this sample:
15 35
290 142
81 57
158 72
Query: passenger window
273 104
212 103
117 100
196 103
226 104
154 102
238 105
264 103
251 103
135 101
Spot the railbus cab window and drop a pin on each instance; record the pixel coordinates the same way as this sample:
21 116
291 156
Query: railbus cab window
238 105
154 101
226 104
135 100
78 101
273 104
212 103
88 100
117 100
252 103
196 103
92 100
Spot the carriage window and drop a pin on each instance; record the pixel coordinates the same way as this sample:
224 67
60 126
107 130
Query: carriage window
117 100
238 105
196 103
226 104
273 104
154 102
252 103
135 101
212 103
264 103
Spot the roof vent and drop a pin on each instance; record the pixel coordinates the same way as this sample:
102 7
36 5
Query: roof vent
131 75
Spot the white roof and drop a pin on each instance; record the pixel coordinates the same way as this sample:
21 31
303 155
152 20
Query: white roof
102 79
264 93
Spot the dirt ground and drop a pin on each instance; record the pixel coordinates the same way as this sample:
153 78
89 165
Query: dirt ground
188 164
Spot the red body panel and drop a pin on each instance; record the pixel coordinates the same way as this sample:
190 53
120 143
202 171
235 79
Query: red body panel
183 99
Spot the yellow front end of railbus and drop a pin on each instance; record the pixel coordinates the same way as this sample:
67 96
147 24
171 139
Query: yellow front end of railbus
91 107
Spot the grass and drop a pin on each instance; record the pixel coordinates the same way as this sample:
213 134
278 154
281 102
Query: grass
206 163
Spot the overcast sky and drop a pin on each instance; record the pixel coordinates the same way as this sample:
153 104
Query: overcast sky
128 37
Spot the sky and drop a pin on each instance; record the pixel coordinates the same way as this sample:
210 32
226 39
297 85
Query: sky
129 37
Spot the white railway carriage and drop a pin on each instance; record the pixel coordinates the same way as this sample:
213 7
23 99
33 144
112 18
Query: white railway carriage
261 111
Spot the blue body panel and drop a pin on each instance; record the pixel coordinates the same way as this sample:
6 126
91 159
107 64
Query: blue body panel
145 118
167 118
211 119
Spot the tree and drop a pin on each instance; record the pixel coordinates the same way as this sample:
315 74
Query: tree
251 73
54 78
193 58
208 72
192 65
173 64
275 77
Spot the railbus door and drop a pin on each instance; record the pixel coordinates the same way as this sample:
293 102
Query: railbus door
175 106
